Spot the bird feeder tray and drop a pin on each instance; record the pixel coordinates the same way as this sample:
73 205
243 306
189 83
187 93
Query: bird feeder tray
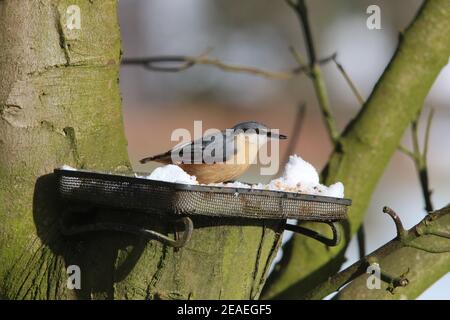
185 200
127 192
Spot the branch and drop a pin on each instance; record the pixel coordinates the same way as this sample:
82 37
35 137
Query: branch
315 73
420 158
366 146
361 238
396 250
299 119
180 63
349 81
424 258
398 223
427 133
407 152
423 172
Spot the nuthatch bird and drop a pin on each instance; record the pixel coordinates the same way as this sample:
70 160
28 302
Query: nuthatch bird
235 149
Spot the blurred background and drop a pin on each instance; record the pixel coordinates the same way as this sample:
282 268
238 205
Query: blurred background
258 33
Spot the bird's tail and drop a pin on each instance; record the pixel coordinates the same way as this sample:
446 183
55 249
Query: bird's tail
164 158
147 159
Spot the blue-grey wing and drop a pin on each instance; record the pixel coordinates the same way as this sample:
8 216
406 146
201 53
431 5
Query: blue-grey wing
213 148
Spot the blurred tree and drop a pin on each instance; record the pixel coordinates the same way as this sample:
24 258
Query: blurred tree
363 150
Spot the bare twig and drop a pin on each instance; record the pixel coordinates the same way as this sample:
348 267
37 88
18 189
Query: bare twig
397 221
394 281
299 119
161 63
420 158
244 69
407 152
303 66
302 11
164 63
179 63
427 135
361 237
297 56
349 81
315 73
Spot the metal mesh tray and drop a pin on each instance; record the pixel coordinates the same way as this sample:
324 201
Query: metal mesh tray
127 192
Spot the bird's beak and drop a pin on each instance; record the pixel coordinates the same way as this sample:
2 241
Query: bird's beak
273 135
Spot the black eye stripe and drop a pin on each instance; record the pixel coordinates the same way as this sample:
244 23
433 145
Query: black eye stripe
256 130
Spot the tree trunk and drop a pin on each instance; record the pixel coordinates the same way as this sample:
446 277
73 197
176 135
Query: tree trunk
60 104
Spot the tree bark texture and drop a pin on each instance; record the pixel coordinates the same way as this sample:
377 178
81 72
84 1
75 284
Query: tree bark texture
60 104
422 268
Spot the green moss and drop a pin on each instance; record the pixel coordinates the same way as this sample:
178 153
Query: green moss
44 134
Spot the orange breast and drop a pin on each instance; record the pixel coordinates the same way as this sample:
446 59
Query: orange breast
213 173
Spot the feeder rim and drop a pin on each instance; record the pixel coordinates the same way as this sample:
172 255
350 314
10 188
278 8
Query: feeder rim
81 173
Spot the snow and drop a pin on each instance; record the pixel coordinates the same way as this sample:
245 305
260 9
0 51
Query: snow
301 177
171 173
67 168
298 171
336 190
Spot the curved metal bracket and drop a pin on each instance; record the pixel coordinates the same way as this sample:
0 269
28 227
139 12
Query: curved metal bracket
113 226
334 241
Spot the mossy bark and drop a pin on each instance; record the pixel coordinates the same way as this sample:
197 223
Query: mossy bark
420 267
60 104
367 145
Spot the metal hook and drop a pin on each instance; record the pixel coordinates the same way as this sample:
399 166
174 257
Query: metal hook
334 241
113 226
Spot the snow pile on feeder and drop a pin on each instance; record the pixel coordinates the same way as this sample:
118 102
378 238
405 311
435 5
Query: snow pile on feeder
300 176
171 173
